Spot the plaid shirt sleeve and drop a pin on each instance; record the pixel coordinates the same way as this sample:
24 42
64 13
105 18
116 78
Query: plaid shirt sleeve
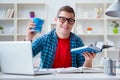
46 46
80 57
77 59
37 45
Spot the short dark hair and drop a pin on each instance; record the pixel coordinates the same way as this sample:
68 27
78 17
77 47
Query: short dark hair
67 9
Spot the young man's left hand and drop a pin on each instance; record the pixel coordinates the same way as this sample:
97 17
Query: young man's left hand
88 58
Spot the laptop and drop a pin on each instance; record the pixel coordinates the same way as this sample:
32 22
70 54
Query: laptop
16 58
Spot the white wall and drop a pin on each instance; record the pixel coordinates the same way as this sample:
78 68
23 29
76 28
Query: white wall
54 5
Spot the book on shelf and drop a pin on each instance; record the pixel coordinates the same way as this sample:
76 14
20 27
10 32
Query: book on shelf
96 48
9 13
78 70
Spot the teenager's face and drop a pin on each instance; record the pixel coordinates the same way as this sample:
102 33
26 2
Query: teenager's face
65 22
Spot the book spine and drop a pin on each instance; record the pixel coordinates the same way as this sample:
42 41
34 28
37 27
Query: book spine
11 13
7 13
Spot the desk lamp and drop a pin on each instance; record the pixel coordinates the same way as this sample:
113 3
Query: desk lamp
114 11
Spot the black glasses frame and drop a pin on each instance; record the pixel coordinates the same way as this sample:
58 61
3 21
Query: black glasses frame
64 19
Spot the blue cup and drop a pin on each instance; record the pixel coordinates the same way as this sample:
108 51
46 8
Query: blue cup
38 24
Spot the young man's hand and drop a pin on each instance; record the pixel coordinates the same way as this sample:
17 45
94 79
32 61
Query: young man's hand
88 58
30 34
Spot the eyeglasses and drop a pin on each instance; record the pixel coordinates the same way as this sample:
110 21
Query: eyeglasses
64 19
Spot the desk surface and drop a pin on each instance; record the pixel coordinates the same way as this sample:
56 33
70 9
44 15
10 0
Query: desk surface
56 76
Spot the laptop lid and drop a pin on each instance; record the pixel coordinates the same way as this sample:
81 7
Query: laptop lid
16 57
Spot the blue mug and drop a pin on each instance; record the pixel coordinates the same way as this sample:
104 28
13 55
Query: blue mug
38 24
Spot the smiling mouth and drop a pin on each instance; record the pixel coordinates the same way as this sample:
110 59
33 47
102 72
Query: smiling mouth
65 27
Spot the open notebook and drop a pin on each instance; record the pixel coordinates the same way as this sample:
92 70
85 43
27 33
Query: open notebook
16 58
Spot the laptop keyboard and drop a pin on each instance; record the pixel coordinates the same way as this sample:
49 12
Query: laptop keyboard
44 71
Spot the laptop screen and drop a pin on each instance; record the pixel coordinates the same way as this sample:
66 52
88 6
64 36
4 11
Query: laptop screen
16 57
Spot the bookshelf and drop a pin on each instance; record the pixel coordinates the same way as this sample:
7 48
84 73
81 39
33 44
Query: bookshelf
15 25
87 16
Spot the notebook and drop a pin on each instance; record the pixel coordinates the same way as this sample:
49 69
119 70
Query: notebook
16 58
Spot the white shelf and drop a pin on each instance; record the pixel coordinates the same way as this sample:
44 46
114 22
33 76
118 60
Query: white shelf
90 19
25 8
87 9
4 7
16 26
102 29
92 35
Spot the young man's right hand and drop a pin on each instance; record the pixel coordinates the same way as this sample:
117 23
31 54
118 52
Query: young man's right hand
30 34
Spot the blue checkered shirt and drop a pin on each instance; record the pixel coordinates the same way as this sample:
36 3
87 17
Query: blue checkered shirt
46 45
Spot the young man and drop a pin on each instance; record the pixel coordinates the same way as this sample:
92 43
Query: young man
55 46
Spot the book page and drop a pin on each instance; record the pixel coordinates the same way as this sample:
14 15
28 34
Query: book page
78 70
7 13
90 70
68 70
11 13
99 44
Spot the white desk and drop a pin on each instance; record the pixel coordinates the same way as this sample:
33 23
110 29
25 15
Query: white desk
70 76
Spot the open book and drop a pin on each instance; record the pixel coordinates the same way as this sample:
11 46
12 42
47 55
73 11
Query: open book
78 70
73 70
96 48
